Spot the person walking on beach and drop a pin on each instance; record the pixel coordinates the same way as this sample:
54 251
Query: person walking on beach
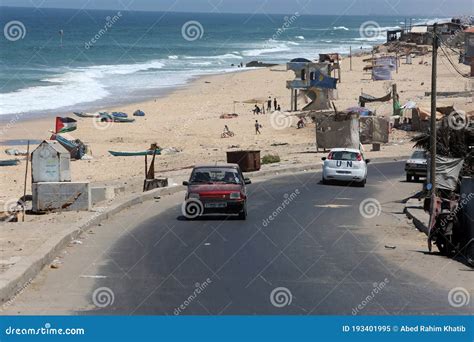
269 103
275 103
256 110
279 108
257 127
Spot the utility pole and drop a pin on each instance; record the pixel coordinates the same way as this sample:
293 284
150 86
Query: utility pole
350 57
433 113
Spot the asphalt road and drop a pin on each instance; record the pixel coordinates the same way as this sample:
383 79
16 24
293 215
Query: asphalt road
317 255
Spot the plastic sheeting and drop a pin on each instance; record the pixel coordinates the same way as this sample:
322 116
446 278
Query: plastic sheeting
447 172
331 133
382 73
373 130
366 98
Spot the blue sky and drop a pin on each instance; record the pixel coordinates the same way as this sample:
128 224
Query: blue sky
439 8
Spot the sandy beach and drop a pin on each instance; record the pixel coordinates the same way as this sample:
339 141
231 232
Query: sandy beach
188 120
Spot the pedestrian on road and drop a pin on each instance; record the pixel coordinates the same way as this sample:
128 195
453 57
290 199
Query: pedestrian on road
257 127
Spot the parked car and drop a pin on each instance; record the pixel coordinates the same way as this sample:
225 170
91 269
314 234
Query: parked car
216 189
417 165
345 164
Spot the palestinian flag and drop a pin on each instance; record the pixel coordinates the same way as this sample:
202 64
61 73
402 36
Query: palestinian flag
65 125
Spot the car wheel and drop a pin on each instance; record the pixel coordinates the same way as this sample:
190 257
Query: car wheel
408 178
325 181
243 213
361 184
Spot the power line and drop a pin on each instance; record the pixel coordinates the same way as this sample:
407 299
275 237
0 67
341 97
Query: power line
453 64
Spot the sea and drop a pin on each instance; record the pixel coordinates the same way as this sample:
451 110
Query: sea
59 60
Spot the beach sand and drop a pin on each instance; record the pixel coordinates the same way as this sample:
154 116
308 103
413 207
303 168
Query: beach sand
188 119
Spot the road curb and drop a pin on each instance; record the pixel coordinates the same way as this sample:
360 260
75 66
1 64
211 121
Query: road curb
414 211
21 274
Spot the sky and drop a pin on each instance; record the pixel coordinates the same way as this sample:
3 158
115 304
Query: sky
432 8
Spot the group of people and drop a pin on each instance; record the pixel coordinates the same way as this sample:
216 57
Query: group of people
257 110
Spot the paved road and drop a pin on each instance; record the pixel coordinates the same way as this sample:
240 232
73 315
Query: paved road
317 255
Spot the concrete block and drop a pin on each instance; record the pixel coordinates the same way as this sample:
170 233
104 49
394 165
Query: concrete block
100 194
61 196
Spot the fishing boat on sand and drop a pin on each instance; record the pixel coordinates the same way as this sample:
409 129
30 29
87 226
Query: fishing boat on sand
9 162
87 115
135 153
115 117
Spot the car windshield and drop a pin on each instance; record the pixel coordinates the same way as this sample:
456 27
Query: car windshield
215 175
418 155
344 155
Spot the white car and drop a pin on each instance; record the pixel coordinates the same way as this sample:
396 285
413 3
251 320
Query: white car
345 164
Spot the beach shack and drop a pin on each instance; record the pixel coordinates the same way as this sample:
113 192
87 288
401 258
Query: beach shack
50 162
52 188
313 83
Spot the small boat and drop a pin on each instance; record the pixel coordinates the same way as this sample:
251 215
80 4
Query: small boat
87 115
120 114
118 119
9 162
115 117
134 153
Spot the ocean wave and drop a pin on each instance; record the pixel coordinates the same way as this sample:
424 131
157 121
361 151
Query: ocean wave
123 69
313 29
263 51
225 56
381 37
299 37
340 28
173 57
73 86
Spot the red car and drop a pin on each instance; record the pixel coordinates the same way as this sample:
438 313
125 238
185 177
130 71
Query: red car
216 189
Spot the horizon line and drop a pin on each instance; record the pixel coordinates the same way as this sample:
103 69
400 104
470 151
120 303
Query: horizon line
203 12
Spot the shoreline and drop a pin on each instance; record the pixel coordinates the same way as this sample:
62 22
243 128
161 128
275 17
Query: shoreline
186 123
152 94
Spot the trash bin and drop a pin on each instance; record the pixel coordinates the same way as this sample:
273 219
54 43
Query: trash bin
247 160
